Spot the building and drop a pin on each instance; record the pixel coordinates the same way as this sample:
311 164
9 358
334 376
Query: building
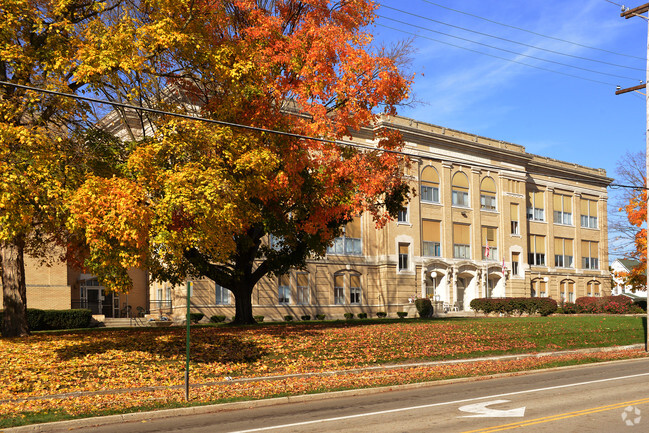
624 266
60 286
488 220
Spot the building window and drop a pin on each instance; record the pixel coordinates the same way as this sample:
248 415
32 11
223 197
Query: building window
567 289
461 241
284 289
403 256
535 206
539 288
513 215
350 242
515 262
588 213
354 289
593 288
563 253
222 295
488 194
275 242
490 245
589 255
339 289
536 250
562 209
460 190
303 288
431 245
429 185
402 216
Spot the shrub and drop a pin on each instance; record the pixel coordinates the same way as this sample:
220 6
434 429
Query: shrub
218 318
362 315
402 314
424 307
569 308
542 306
619 304
288 318
305 317
381 314
258 319
40 320
196 317
320 316
349 316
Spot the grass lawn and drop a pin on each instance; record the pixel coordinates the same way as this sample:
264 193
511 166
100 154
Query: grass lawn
88 361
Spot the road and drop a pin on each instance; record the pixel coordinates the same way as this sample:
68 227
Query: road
611 397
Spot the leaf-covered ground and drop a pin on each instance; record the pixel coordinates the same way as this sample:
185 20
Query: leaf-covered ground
47 364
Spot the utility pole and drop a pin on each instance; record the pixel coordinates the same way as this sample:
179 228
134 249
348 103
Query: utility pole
628 13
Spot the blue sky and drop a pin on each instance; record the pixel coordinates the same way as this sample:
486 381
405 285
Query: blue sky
559 116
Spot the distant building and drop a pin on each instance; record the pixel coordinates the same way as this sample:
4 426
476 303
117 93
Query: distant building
488 220
625 266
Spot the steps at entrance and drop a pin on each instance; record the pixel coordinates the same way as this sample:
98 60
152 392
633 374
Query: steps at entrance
124 322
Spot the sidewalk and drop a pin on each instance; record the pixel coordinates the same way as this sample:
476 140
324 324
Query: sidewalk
159 414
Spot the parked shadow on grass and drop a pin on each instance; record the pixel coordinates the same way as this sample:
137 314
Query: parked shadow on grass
166 345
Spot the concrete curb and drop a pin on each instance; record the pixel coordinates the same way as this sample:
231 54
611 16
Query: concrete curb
214 408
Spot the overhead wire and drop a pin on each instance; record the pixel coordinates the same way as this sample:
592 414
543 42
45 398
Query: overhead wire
508 51
508 40
499 57
271 131
536 33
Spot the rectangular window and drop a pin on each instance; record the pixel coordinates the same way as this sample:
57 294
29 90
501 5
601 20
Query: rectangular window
562 209
284 289
588 213
276 242
402 217
461 241
490 243
536 256
431 238
460 198
222 294
535 206
403 256
487 201
429 193
354 289
589 255
350 242
515 261
563 253
513 215
339 289
303 289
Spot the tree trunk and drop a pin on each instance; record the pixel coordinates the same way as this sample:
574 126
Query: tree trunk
14 290
243 305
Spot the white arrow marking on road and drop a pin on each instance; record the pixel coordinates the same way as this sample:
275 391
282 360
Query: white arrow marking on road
483 411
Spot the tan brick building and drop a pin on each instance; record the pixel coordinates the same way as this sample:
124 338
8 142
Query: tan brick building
482 207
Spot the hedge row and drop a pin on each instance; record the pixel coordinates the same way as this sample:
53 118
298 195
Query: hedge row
41 320
542 306
602 305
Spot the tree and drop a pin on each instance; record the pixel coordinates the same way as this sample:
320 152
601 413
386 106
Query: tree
634 204
45 144
202 200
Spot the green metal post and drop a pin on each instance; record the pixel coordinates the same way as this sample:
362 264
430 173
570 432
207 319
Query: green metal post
189 285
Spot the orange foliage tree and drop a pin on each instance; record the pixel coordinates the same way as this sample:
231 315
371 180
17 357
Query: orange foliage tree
636 211
202 200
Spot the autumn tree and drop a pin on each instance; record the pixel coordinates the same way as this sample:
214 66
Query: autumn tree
633 232
46 142
201 199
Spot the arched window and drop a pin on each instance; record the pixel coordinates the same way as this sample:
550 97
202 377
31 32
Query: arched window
593 288
429 185
488 194
567 291
350 280
460 189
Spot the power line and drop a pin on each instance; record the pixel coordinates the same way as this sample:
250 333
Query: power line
509 51
512 41
535 33
499 57
270 131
